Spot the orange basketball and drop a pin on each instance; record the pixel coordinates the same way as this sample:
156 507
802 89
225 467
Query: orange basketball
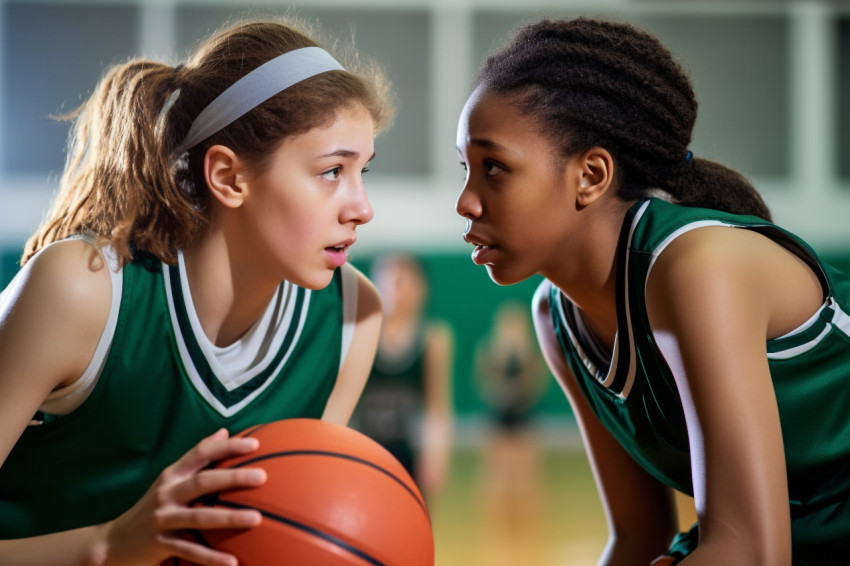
333 497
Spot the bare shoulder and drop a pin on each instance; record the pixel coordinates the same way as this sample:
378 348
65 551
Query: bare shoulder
368 299
699 260
721 266
62 298
540 300
358 361
731 249
71 276
541 316
547 337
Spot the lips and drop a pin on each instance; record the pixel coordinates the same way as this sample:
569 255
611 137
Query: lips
343 245
475 240
337 254
483 251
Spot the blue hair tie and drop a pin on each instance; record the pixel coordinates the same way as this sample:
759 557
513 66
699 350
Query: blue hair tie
689 156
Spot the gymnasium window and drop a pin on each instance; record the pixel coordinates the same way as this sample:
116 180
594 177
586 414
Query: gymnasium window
398 40
50 64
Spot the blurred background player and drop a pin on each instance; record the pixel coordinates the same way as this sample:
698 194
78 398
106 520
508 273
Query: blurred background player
407 403
511 379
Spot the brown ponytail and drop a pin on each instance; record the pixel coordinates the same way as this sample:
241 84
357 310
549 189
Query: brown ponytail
115 171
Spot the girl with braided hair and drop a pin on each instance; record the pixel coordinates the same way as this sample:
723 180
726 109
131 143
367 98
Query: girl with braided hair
703 348
191 281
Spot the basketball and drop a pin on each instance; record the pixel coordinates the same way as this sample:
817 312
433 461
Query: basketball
333 497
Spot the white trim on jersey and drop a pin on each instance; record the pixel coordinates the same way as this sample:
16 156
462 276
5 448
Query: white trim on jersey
801 349
64 400
349 308
231 381
840 319
808 324
604 377
675 234
236 363
632 369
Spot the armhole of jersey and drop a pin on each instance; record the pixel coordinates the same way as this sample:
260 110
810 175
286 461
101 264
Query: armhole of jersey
775 234
778 236
349 308
64 400
675 234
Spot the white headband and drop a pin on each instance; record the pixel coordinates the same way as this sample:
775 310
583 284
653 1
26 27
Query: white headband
255 88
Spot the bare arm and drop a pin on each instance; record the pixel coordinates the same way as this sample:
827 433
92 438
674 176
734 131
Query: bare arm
149 532
714 297
439 415
361 354
60 305
640 510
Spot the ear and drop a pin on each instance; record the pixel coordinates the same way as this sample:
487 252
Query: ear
225 174
596 171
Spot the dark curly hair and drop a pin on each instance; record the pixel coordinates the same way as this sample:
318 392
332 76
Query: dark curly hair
591 82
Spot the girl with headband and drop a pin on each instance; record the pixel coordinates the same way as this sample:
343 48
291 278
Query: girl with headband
190 280
702 348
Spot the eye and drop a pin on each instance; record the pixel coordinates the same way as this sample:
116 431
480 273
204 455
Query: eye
331 174
365 170
492 169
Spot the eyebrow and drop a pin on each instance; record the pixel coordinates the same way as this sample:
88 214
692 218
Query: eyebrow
345 153
488 144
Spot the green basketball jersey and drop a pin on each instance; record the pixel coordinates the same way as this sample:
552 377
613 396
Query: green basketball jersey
158 394
634 394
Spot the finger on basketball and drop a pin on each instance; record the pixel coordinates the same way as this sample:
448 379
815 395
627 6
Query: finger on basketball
195 553
179 518
214 448
214 480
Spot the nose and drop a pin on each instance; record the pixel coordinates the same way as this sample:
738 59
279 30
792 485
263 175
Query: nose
358 209
468 204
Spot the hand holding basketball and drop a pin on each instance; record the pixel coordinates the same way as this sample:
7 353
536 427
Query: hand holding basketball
333 497
147 532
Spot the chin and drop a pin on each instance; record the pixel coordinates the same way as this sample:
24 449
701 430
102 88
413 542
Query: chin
315 282
504 277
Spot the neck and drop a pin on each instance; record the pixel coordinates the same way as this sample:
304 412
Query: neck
229 297
589 276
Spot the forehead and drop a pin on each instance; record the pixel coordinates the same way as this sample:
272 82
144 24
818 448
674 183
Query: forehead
351 122
491 121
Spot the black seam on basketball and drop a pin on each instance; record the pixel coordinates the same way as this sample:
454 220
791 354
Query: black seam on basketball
249 431
338 455
199 535
307 529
